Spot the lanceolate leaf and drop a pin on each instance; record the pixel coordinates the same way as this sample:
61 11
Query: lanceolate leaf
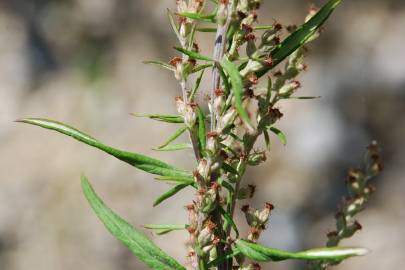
141 162
175 147
171 192
194 55
176 119
197 16
201 129
200 67
196 85
301 35
280 135
264 254
165 228
173 25
178 180
174 137
136 241
229 221
237 88
160 64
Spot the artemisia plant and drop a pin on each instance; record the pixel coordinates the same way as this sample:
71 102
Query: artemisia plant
251 69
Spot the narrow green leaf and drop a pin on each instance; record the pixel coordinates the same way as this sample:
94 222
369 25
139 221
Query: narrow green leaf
197 16
196 86
237 89
225 80
165 228
226 185
160 64
301 35
261 253
266 139
223 258
176 119
173 25
176 134
194 55
171 192
139 161
200 67
229 221
141 246
316 97
179 180
228 168
263 27
280 135
174 147
207 29
201 129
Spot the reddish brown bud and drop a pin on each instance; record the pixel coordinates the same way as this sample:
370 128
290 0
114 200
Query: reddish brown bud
245 208
269 206
175 60
277 26
253 78
268 61
191 230
211 225
250 36
357 225
247 28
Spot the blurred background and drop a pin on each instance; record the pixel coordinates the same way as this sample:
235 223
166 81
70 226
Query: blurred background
79 61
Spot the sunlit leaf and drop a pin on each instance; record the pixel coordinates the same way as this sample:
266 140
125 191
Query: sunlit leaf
194 55
139 161
165 228
170 193
229 169
300 36
173 25
160 64
176 134
174 147
261 253
201 129
196 85
200 67
198 17
207 29
280 135
229 221
237 89
141 246
176 119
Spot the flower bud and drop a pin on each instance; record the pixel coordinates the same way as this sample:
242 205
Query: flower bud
226 119
219 101
254 234
263 216
212 142
180 105
250 215
190 116
209 201
204 168
289 88
206 235
177 62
